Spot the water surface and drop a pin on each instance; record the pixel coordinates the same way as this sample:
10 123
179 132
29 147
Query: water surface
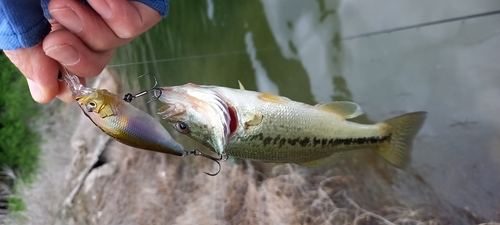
298 49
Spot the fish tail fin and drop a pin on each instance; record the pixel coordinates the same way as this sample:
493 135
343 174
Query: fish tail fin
402 130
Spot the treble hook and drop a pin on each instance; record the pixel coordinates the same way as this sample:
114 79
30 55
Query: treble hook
197 152
157 91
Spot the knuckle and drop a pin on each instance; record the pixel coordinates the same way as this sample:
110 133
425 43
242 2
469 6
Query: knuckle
100 45
130 30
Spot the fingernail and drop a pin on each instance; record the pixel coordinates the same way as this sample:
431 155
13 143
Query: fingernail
68 19
103 8
35 90
65 54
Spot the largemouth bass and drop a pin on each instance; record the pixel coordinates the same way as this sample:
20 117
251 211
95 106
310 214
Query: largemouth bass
271 128
121 120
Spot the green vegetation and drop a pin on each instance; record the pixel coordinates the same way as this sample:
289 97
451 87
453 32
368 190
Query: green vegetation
18 146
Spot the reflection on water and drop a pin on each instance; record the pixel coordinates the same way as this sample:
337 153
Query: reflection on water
294 48
306 32
264 84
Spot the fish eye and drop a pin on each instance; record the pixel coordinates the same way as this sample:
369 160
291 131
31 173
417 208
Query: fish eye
182 127
91 105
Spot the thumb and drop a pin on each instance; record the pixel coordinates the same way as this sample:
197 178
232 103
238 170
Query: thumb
39 69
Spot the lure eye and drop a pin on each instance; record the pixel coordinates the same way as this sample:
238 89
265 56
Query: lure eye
182 127
91 106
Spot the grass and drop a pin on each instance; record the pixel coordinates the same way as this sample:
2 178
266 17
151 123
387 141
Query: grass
18 148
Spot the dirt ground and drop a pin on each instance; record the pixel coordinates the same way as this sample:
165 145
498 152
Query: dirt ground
88 178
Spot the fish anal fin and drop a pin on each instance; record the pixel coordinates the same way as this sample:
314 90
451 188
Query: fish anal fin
241 85
345 109
273 98
402 130
326 161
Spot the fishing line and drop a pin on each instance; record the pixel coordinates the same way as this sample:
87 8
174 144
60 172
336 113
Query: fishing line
194 57
347 38
420 25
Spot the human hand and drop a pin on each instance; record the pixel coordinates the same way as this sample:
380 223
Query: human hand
83 40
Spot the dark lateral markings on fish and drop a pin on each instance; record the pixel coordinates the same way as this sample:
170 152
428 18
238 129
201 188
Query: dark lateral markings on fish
323 142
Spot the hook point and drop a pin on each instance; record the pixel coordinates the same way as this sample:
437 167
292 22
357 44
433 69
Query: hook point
197 152
156 91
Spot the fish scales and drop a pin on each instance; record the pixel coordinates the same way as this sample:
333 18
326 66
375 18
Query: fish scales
293 131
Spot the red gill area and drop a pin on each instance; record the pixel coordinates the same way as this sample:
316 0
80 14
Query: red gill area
233 124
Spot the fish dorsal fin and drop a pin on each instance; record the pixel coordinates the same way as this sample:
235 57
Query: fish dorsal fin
241 85
272 98
345 109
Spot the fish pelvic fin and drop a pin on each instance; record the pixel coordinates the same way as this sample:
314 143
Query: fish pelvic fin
402 130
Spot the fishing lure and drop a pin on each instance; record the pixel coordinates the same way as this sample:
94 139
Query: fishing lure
124 122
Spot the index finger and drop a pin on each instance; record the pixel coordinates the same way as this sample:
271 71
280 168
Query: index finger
127 19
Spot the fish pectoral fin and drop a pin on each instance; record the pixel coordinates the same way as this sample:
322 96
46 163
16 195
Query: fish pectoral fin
241 85
345 109
326 161
253 119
